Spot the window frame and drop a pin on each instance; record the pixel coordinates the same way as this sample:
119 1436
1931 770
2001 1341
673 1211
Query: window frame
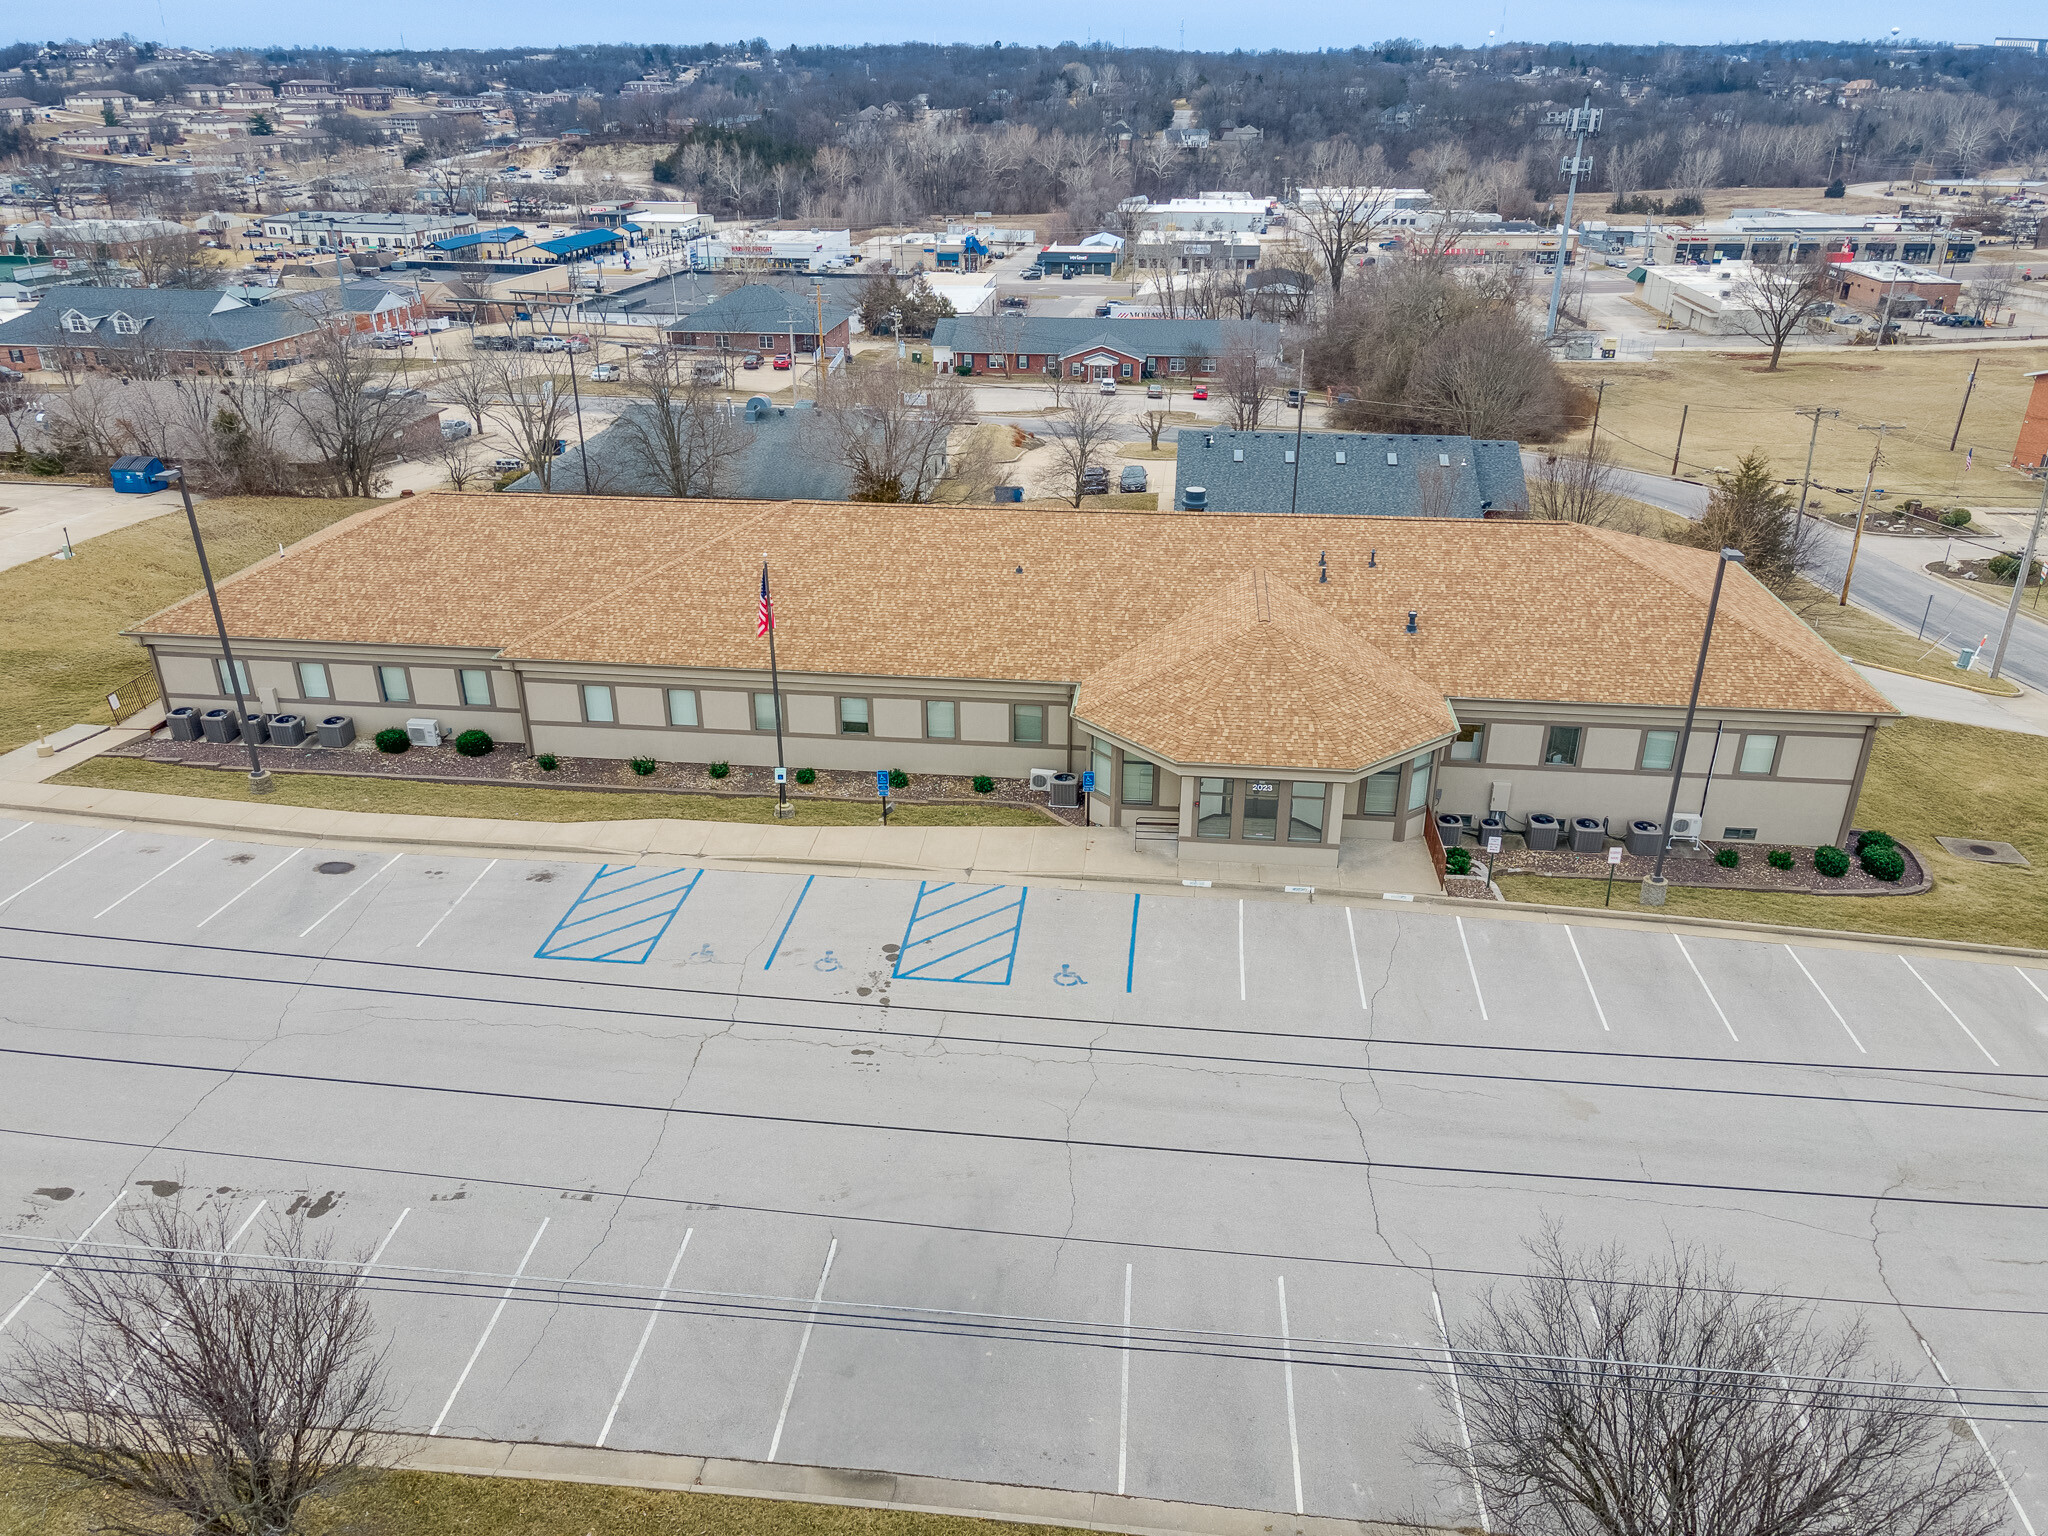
384 684
1101 763
1578 745
222 677
1393 778
1777 741
584 693
1016 715
1643 763
1279 799
668 704
771 710
462 677
326 680
1229 793
1321 801
953 733
1123 781
1421 772
841 725
1476 735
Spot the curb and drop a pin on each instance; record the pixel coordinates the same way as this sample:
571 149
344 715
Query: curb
862 1489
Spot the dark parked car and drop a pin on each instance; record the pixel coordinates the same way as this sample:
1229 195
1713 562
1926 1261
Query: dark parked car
1132 479
1094 481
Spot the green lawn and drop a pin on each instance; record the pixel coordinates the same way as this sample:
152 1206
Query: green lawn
60 620
1927 778
333 792
443 1504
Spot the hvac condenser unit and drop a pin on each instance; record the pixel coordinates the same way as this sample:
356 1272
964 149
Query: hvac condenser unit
423 733
1686 827
1041 779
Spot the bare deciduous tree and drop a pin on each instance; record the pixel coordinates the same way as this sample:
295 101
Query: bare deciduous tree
534 408
1577 488
1778 299
1346 209
679 434
350 414
1153 423
1080 435
458 458
1609 1398
230 1395
1247 380
1990 290
889 426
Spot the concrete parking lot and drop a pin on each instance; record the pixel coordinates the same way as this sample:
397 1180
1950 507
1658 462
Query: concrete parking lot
1063 1187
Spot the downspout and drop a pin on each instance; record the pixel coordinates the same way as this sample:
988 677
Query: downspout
1856 785
525 720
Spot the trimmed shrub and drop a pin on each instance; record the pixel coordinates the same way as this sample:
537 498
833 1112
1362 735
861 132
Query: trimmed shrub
473 743
1458 861
1830 861
1778 858
548 762
719 770
1727 858
1865 841
392 739
1956 517
2005 567
643 766
1884 863
898 779
807 775
984 785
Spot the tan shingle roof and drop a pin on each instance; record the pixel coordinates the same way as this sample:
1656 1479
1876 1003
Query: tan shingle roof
1505 610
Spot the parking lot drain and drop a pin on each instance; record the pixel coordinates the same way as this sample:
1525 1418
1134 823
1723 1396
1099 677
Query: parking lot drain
334 867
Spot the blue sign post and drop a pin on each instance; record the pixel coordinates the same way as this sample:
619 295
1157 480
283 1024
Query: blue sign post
1088 782
882 789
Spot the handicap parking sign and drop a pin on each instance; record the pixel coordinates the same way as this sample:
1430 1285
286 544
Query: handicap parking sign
882 782
1088 782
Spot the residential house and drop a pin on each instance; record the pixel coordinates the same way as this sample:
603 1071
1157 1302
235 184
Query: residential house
104 141
369 306
1095 349
182 328
1378 474
1279 688
758 318
17 111
367 98
100 101
291 89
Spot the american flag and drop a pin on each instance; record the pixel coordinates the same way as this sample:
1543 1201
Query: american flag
765 620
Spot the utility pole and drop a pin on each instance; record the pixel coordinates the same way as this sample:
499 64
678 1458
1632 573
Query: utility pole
1806 481
1599 399
1684 411
1956 436
2020 577
1300 406
1856 543
1586 120
818 356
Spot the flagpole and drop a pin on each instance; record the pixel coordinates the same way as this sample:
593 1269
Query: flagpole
782 805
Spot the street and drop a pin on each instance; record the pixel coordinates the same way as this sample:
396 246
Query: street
1025 1184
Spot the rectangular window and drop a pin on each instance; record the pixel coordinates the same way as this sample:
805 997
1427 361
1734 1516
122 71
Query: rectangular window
853 717
1212 807
1075 370
1176 365
1381 792
227 683
941 719
1470 746
1738 834
1139 782
1125 370
764 341
597 703
1561 749
1305 812
1261 811
1099 760
393 686
1759 754
764 711
14 355
313 682
1660 750
1418 783
682 706
1027 722
476 687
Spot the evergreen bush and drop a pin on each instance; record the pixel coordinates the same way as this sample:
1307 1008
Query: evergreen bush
898 779
983 784
644 766
392 739
807 775
473 743
1458 861
1727 858
1885 863
719 770
548 762
1831 861
1778 858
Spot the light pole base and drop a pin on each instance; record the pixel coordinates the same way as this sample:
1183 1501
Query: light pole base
261 783
1654 887
784 811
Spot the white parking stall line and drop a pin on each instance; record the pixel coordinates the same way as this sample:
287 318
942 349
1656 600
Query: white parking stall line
1588 975
354 891
1240 949
645 1333
51 1273
1706 989
39 879
1948 1010
1123 1414
803 1344
1982 1444
103 911
22 828
371 1262
458 901
1351 928
1825 998
164 1329
2032 983
1287 1367
245 890
1458 1404
485 1338
1472 970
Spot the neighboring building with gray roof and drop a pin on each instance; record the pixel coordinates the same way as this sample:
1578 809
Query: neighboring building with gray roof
1382 474
762 318
185 327
776 466
1091 347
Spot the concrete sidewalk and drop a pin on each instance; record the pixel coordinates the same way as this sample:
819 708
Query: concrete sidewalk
1928 700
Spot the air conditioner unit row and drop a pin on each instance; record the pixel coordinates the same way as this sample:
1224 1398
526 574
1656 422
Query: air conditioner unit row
423 733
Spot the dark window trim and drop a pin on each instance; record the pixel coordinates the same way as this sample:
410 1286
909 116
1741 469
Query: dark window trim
1777 751
839 703
490 688
668 712
583 702
411 693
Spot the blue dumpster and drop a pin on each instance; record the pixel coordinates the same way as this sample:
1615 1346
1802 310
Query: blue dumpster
135 474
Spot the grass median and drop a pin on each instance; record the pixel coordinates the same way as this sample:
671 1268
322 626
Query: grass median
61 652
1927 779
404 797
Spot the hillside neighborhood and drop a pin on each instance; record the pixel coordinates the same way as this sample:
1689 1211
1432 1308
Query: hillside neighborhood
801 786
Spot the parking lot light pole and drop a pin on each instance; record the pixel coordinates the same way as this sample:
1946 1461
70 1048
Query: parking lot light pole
1654 882
259 778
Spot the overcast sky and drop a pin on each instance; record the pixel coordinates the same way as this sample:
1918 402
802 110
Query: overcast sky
1204 24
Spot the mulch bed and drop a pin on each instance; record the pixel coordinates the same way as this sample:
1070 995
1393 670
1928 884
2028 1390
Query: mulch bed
1683 867
1471 887
510 766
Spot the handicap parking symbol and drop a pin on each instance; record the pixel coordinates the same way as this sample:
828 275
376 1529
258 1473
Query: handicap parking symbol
704 954
1069 977
825 962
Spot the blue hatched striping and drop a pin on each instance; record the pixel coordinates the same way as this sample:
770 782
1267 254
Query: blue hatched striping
620 916
962 933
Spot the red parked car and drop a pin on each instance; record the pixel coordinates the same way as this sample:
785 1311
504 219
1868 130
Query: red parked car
1201 392
782 362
